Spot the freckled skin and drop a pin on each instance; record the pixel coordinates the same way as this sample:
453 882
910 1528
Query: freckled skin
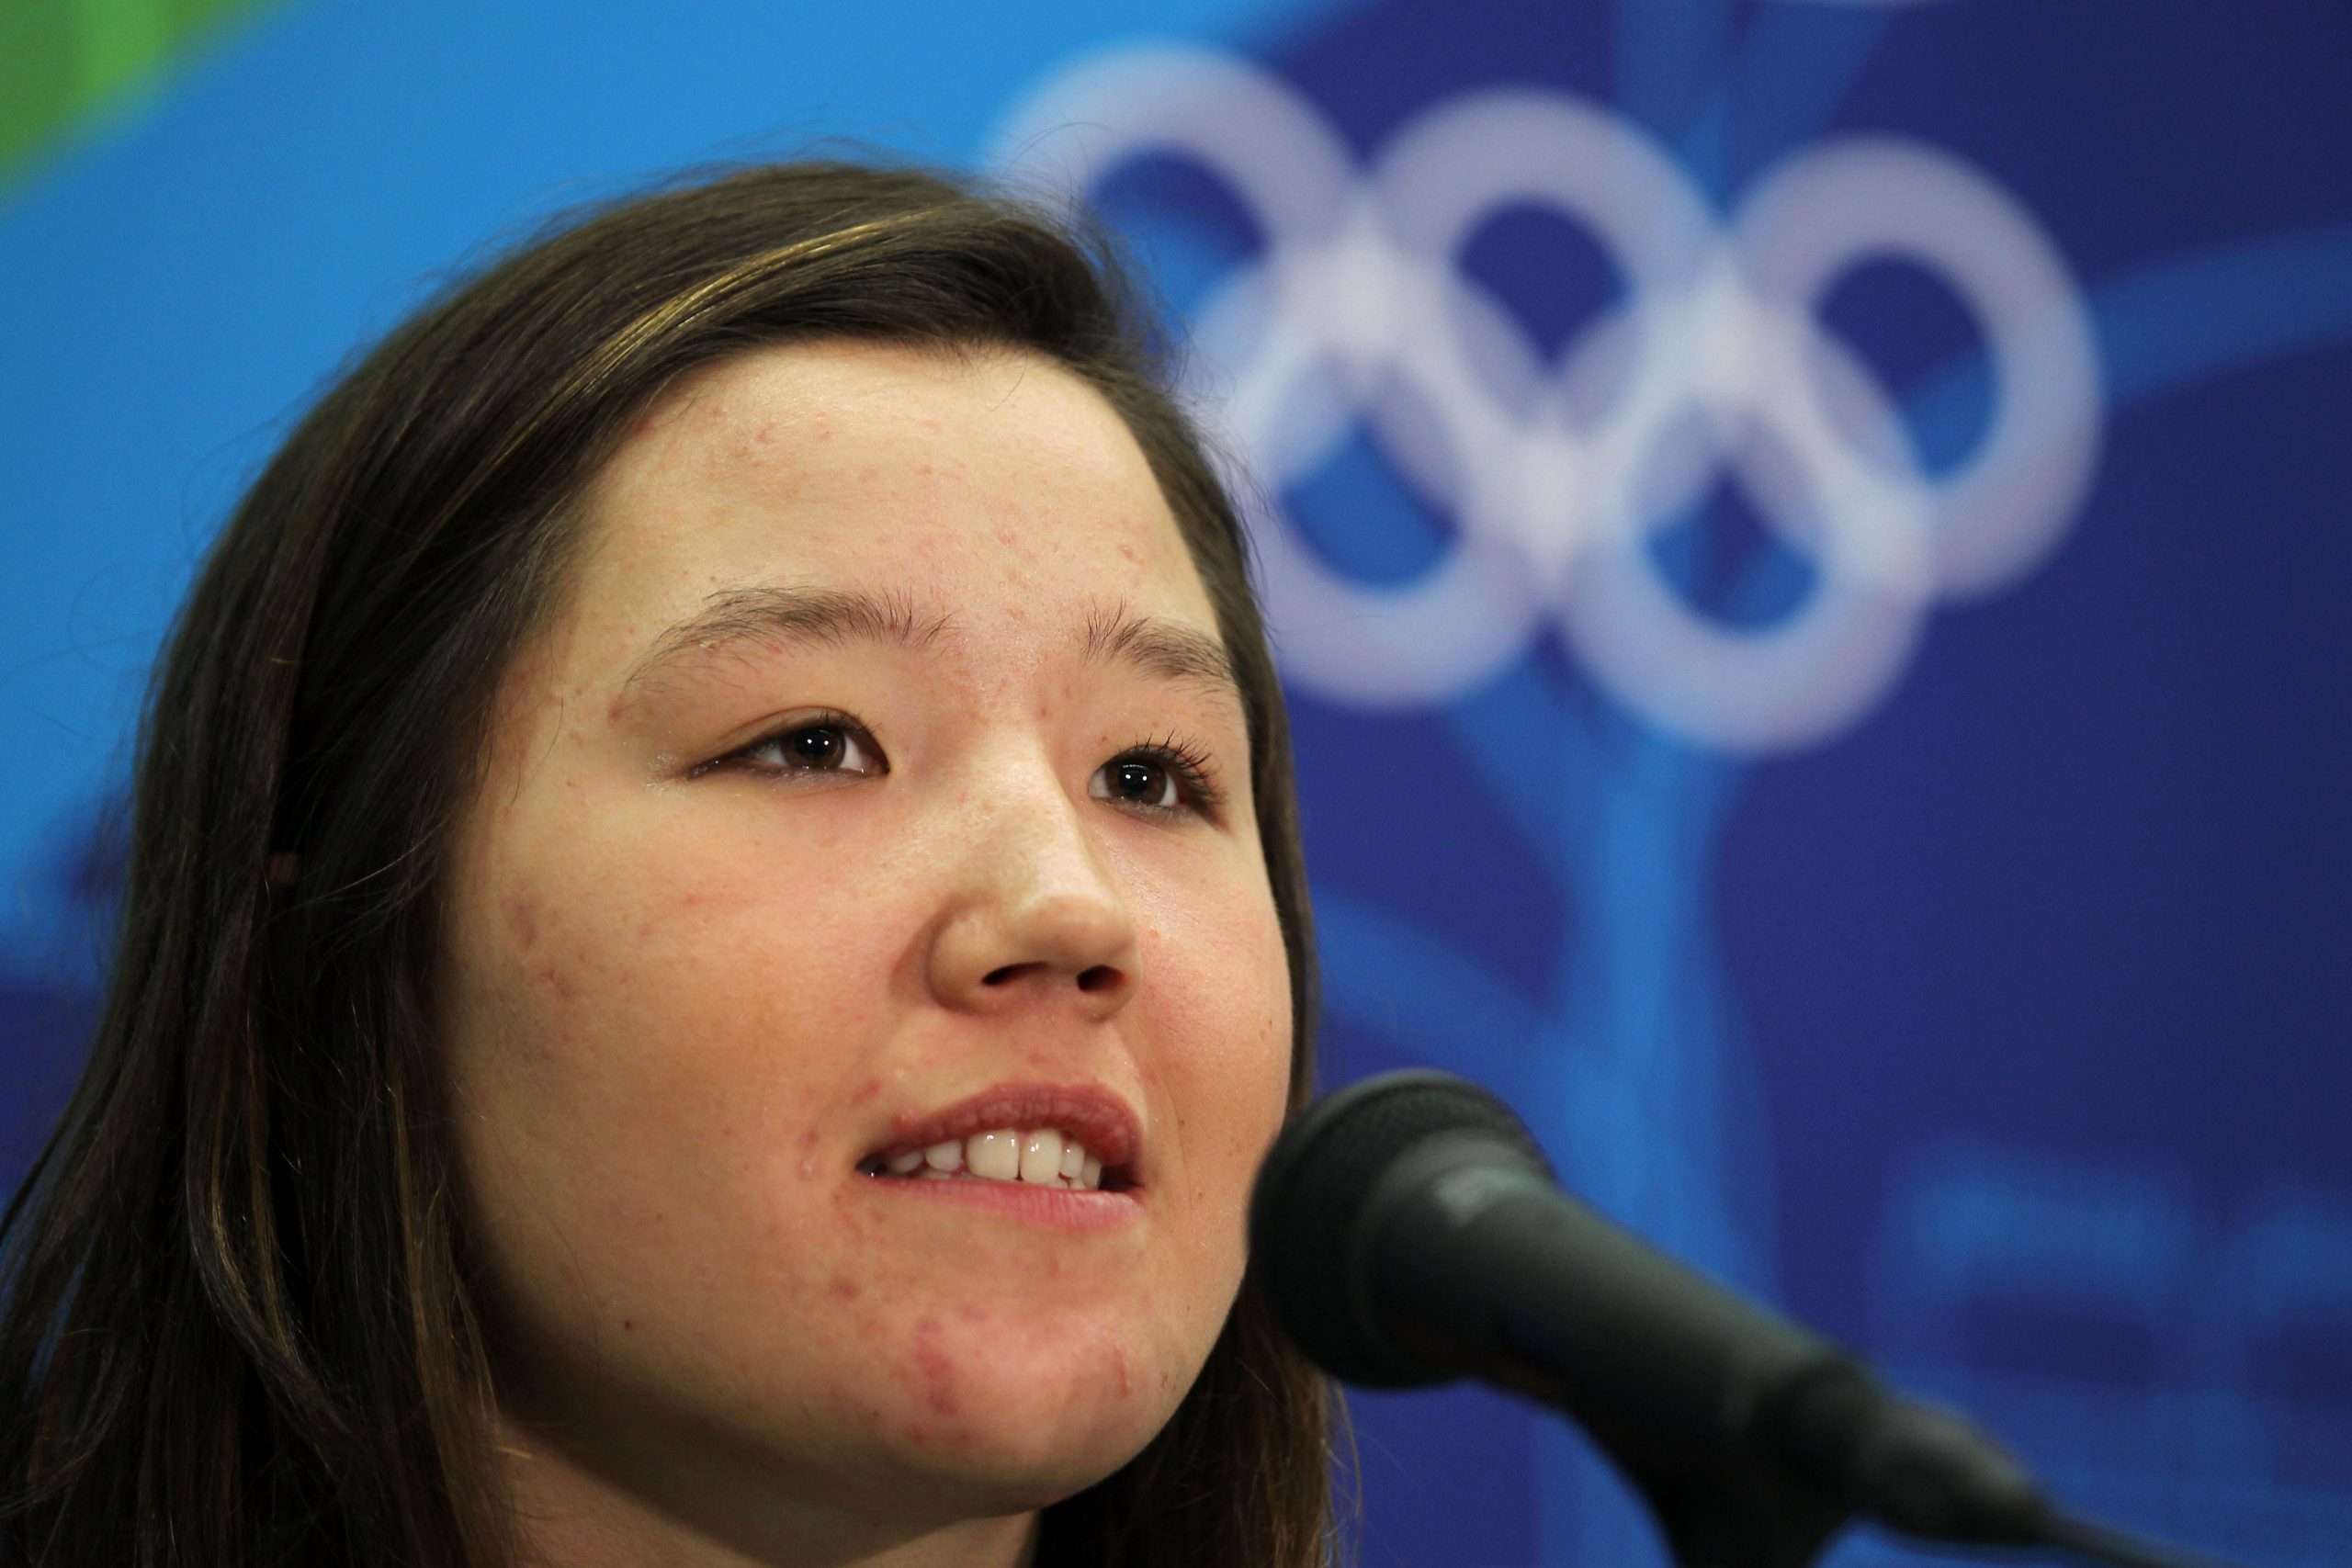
738 980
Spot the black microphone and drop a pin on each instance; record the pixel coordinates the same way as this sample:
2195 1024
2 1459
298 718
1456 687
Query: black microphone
1409 1231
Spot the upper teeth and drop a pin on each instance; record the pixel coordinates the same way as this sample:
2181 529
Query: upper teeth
1042 1158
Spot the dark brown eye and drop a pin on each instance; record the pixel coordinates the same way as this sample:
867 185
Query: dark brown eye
1146 782
1137 781
818 746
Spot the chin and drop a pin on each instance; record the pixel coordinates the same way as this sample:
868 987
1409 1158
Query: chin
1033 1419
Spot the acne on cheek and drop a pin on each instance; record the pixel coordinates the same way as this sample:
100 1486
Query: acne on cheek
559 946
534 936
847 1411
934 1369
558 969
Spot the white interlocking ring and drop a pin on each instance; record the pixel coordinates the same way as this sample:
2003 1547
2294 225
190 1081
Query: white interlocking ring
1714 364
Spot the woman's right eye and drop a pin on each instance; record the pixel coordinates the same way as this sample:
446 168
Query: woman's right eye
828 743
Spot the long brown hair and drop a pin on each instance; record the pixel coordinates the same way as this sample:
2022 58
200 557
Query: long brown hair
237 1328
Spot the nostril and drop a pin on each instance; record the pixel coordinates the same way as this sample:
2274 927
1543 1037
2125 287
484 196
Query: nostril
1094 977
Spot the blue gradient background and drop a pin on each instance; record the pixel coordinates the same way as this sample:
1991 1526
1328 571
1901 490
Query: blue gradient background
2003 1035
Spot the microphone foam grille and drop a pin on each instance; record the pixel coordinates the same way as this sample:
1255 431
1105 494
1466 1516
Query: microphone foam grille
1312 1201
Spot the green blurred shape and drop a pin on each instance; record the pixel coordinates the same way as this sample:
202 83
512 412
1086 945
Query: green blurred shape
65 62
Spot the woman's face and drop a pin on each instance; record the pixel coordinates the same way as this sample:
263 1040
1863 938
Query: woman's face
878 786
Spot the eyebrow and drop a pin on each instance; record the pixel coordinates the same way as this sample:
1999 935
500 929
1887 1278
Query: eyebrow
774 612
731 617
1168 649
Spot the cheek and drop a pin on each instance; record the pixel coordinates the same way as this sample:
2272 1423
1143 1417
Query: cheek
1221 996
1227 959
635 1056
665 965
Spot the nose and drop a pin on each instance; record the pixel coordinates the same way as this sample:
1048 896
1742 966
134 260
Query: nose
1035 914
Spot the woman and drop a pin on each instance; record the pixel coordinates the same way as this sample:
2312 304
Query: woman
715 932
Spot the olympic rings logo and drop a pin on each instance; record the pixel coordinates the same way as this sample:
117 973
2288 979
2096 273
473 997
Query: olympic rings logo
1556 478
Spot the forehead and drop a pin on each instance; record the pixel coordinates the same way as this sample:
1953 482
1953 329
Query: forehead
995 486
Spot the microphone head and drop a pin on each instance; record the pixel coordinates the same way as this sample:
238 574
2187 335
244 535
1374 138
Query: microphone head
1317 1204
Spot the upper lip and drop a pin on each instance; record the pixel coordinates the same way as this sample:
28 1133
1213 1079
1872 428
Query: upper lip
1089 1113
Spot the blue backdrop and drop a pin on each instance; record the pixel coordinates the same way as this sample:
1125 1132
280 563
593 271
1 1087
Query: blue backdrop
1808 541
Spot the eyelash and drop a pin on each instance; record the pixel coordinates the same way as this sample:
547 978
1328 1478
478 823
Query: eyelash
822 718
1194 774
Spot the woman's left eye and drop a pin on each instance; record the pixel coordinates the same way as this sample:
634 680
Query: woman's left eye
1162 778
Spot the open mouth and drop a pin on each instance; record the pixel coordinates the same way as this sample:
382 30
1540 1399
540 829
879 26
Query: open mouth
1042 1156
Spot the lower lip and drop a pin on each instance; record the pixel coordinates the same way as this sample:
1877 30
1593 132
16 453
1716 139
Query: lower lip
1058 1208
